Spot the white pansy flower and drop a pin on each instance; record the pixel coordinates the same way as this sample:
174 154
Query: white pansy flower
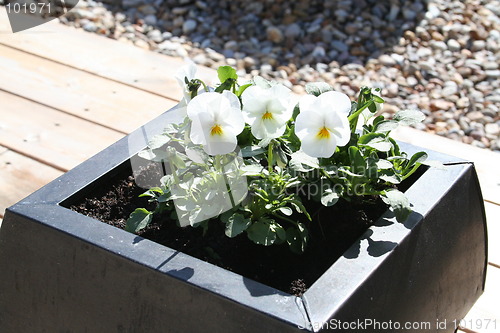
322 124
267 110
216 121
188 72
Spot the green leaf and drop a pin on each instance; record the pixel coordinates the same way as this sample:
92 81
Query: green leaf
164 197
299 207
376 141
364 139
138 220
300 161
409 117
378 99
245 138
349 172
167 180
252 170
358 164
384 164
158 141
261 82
390 176
226 72
399 204
417 158
281 233
242 88
250 151
329 198
280 156
286 211
177 160
317 88
262 232
264 142
157 155
385 126
236 224
395 147
297 238
226 85
152 192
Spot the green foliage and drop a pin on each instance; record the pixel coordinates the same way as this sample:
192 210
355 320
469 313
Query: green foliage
236 224
279 179
138 220
398 203
317 88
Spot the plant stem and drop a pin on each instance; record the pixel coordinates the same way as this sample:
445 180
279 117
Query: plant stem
174 171
324 173
270 157
204 86
220 168
353 118
284 218
409 173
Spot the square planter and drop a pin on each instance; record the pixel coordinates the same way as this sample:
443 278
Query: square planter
61 271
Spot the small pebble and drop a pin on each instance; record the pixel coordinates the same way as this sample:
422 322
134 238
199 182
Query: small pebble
441 56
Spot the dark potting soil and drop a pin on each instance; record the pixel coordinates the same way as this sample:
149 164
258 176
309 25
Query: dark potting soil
332 232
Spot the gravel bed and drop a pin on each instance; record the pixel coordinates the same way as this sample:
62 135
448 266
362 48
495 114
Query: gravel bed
439 56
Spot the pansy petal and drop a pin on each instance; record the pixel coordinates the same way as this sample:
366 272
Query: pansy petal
201 103
306 103
187 71
308 119
342 135
197 134
221 144
216 120
232 98
316 147
254 100
268 128
336 100
267 110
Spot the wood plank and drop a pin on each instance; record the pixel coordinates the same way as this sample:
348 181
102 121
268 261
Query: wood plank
484 317
21 176
105 57
85 95
52 137
493 220
485 161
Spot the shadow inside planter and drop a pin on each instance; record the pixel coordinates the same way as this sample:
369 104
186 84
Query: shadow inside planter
377 248
228 253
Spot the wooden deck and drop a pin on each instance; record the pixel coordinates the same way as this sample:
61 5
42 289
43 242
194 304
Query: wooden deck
67 94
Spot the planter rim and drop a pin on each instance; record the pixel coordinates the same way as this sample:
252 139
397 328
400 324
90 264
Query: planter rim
45 206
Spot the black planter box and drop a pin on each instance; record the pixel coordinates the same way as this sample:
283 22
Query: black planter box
64 272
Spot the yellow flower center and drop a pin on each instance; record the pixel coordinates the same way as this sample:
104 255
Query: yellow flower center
267 116
323 133
216 130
